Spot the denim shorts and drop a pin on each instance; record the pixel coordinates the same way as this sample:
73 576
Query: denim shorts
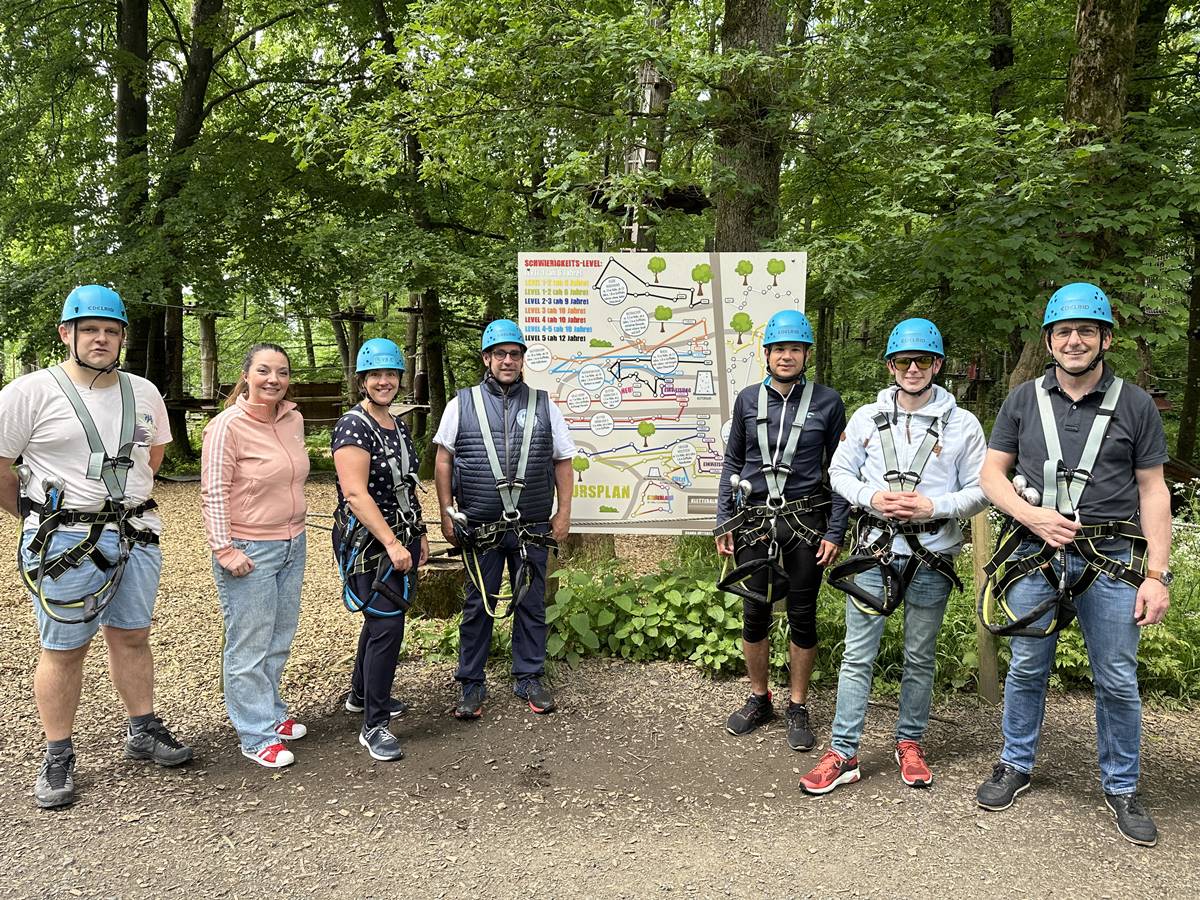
131 608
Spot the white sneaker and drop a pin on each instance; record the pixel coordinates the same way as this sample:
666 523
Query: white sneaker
272 756
290 730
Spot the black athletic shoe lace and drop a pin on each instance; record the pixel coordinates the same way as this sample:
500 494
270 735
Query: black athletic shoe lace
56 769
158 731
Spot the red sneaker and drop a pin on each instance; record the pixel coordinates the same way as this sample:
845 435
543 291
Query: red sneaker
290 730
913 770
273 756
832 770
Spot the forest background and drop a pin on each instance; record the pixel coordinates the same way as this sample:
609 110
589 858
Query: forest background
317 173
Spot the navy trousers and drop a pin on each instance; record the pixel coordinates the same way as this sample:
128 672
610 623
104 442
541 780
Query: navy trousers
529 620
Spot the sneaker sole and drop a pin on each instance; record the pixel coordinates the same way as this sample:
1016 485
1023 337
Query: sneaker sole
166 764
1133 840
916 783
540 710
1011 800
362 740
803 748
845 778
56 803
467 717
268 765
752 728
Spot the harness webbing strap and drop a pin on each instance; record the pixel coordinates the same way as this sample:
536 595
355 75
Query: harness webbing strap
509 488
112 470
400 469
776 470
869 554
1061 488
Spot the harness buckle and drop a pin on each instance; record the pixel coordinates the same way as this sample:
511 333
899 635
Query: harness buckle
511 516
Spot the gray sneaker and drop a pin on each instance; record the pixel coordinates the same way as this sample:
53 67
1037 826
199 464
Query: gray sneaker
381 744
55 781
1133 821
156 742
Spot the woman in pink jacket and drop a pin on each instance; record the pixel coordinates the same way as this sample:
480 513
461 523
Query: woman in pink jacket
252 477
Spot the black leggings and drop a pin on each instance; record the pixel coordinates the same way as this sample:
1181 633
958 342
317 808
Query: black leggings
378 642
804 583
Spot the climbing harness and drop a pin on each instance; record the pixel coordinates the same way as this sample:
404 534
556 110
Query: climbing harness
1062 492
360 553
477 539
759 523
867 554
53 514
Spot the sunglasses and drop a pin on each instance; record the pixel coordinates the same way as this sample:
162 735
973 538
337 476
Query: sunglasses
903 363
507 354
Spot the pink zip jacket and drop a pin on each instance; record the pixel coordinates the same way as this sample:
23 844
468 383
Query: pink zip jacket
252 475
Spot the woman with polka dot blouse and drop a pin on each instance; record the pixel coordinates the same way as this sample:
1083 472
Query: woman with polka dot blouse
379 538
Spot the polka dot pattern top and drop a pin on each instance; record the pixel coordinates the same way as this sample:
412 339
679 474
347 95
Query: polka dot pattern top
352 431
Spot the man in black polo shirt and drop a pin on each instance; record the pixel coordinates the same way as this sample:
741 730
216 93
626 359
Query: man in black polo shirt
1125 484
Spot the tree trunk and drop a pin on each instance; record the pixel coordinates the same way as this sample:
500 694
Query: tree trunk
1003 55
1031 363
131 190
208 356
748 130
1185 445
410 342
431 317
310 352
343 345
1098 76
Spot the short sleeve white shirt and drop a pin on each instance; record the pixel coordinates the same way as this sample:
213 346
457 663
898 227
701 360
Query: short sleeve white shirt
564 447
38 423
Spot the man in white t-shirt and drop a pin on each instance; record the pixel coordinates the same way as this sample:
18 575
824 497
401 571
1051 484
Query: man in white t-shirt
504 459
89 439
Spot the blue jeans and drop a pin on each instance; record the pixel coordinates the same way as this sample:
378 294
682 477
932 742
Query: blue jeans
261 612
924 606
1111 636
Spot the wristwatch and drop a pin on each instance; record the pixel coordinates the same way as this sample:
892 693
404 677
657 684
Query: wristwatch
1166 576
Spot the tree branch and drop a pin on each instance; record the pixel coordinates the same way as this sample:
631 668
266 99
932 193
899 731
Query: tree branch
256 82
250 32
175 23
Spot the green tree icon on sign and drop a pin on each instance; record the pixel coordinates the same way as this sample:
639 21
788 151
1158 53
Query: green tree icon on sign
702 275
742 324
581 464
646 430
663 314
657 265
744 268
775 268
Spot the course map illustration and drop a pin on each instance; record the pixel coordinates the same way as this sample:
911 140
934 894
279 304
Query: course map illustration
645 354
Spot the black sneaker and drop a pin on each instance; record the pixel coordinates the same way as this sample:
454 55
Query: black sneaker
999 791
799 734
471 704
757 711
381 743
1133 821
55 784
154 741
536 694
354 704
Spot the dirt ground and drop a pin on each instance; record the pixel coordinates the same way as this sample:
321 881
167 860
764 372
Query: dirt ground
632 789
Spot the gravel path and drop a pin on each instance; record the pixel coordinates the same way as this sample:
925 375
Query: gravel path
633 789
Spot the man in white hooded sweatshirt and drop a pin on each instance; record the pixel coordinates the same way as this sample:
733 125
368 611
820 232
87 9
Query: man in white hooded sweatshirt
909 463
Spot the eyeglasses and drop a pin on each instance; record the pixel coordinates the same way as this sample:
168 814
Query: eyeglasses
903 363
507 354
1085 332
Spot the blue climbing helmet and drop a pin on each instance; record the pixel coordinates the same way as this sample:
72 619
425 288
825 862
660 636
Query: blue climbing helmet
379 353
1078 300
501 331
788 326
915 334
94 301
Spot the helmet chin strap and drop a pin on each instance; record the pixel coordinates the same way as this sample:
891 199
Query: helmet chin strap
111 367
916 393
